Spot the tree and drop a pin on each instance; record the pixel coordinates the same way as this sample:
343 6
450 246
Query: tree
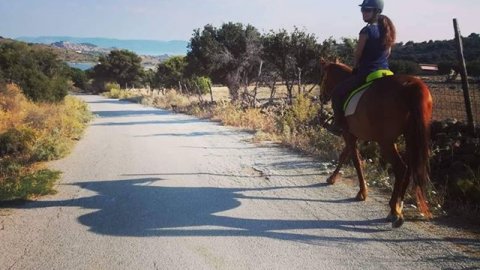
346 50
40 74
79 78
171 73
404 67
229 54
295 56
120 66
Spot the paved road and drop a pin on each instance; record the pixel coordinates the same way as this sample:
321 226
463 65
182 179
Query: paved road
148 189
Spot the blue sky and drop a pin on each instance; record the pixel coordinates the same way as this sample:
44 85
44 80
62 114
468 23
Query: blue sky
416 20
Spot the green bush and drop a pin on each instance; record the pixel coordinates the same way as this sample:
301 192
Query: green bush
33 184
79 78
17 142
38 72
299 115
203 84
113 90
473 68
404 67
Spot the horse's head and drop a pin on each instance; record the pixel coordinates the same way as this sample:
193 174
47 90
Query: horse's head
332 74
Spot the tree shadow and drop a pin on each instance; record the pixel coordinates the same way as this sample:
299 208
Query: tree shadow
130 113
156 122
230 175
192 134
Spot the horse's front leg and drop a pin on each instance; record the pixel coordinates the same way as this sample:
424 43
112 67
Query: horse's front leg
350 141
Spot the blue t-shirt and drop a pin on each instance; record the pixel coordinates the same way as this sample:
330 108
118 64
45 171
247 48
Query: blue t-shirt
374 55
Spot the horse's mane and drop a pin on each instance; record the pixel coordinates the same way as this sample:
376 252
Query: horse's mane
340 66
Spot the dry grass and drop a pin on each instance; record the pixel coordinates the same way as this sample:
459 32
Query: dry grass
263 93
288 125
30 134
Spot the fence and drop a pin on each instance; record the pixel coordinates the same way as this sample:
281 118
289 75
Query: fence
449 102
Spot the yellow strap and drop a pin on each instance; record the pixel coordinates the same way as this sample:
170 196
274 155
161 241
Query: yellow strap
379 74
372 76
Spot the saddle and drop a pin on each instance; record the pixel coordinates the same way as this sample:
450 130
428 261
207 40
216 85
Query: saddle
350 104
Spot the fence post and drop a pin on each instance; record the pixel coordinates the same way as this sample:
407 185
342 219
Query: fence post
463 73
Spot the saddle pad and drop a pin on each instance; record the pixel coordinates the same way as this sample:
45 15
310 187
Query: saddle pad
352 102
350 105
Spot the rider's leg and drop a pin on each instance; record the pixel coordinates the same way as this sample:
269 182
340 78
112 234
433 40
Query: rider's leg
340 93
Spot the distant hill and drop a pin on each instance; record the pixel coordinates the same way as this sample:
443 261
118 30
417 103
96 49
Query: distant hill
438 51
141 47
79 47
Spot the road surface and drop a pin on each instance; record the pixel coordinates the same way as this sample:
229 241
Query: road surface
149 189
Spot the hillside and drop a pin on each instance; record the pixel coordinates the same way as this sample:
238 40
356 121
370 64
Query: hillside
438 51
140 47
64 53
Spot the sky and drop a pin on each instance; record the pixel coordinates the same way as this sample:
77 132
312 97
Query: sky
415 20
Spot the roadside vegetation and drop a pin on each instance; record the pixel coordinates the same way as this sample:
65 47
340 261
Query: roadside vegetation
38 121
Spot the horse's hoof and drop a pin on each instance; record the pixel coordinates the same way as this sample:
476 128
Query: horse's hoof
397 221
361 196
390 218
331 180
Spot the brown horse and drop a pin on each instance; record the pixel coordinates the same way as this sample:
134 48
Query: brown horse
390 107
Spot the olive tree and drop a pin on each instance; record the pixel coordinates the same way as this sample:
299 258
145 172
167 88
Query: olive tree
295 56
120 66
229 55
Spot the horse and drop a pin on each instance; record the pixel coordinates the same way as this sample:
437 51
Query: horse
392 106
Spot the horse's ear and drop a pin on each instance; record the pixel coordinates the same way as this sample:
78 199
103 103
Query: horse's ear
337 60
323 62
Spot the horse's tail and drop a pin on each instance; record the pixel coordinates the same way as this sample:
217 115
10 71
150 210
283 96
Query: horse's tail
417 138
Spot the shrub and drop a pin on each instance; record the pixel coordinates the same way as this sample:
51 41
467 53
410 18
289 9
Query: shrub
12 106
32 184
38 72
18 142
79 78
473 68
404 67
299 116
113 90
31 133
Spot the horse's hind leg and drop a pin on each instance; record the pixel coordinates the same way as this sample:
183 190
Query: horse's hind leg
390 152
350 142
362 194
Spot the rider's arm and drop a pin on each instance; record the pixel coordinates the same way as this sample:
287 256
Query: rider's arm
362 40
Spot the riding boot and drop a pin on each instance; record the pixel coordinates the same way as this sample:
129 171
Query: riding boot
336 128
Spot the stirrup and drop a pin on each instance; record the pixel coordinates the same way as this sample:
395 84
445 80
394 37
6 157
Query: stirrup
334 129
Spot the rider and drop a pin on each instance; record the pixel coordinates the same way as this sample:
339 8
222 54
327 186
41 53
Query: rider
373 49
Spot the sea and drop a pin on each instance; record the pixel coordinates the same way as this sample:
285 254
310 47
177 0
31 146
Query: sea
81 65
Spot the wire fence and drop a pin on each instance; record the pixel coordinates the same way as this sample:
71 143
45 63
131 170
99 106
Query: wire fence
449 102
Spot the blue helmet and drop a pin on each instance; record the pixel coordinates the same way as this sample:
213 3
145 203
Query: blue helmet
378 4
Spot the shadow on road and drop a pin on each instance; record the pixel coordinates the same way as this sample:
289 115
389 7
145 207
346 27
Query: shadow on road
139 208
130 113
144 208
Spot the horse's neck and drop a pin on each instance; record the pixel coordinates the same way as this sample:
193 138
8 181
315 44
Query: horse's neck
342 72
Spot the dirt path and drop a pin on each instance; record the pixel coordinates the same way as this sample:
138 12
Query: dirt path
148 189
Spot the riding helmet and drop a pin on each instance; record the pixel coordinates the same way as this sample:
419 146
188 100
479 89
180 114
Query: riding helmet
378 4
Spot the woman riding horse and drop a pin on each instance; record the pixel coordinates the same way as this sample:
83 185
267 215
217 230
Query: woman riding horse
373 49
391 106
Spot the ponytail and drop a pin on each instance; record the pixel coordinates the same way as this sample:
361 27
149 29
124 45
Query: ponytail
387 30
